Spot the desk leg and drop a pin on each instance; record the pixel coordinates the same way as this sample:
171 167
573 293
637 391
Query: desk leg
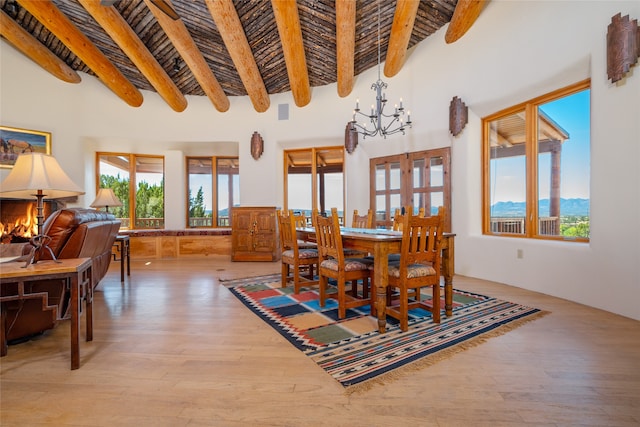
380 279
88 284
121 260
128 253
75 320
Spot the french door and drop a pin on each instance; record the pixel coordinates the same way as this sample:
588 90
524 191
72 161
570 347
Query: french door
420 179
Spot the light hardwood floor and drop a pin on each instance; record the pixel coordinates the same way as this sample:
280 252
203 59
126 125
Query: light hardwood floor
172 347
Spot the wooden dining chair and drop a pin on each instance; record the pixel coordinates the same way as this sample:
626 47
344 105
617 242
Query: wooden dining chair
294 258
418 267
362 221
300 221
398 217
334 265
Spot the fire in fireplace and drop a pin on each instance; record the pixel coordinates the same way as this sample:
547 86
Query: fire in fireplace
18 221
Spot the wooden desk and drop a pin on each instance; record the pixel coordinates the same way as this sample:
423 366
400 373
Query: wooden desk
77 274
381 243
122 245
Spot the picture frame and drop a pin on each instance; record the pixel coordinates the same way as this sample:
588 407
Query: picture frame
15 141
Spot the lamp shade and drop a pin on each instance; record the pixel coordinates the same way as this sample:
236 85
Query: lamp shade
35 172
105 198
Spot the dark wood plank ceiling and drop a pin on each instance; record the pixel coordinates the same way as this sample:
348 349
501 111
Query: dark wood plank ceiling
317 21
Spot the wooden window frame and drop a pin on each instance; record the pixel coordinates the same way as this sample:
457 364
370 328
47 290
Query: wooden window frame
316 192
132 180
531 219
215 221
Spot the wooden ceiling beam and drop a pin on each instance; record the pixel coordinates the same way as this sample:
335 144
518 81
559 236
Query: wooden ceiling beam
401 29
184 44
464 16
113 23
36 51
345 45
56 22
288 21
230 28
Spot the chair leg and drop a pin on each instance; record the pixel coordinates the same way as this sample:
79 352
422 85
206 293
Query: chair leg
354 288
296 279
435 313
284 273
404 309
322 284
342 311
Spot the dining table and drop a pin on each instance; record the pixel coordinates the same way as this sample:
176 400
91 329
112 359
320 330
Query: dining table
380 243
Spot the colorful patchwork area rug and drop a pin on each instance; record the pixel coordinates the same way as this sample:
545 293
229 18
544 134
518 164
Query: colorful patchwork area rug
352 351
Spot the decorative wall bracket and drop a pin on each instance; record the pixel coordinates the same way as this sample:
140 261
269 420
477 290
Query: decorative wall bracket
458 116
623 46
350 138
257 145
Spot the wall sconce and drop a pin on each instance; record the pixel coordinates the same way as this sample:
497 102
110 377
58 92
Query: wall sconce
458 116
350 138
623 46
257 145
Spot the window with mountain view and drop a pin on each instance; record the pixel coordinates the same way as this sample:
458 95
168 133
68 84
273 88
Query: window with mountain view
537 167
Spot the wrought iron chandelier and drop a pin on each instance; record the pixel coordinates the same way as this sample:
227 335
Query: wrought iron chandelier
396 123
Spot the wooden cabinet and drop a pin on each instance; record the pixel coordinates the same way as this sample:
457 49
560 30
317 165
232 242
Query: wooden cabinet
254 234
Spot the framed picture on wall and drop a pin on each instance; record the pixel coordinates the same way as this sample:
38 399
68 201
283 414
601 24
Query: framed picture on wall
16 141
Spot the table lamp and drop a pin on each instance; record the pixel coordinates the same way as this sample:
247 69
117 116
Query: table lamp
38 176
105 198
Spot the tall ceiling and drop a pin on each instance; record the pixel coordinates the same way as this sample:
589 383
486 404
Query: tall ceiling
222 48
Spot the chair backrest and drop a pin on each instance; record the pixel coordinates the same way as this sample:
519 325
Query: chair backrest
421 241
328 236
362 221
287 229
398 218
299 220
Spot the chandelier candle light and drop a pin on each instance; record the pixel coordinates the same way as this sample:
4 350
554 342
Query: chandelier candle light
377 115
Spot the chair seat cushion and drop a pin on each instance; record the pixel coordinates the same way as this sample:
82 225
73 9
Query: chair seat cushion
302 253
413 270
350 264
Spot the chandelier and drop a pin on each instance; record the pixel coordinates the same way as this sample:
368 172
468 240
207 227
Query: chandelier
395 121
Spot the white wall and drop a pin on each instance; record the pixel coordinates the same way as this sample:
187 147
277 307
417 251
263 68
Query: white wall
514 52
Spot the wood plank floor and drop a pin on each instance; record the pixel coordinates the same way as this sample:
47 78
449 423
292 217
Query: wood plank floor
172 347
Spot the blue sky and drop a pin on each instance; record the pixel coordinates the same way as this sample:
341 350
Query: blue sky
572 113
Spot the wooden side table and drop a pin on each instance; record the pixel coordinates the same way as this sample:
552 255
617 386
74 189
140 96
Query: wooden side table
77 274
122 246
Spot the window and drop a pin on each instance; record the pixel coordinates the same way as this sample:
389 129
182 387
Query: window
314 179
536 167
213 189
143 202
419 179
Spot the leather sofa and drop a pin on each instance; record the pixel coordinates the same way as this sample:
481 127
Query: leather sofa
74 233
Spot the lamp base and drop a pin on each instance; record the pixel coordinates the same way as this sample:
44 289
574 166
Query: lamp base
39 243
